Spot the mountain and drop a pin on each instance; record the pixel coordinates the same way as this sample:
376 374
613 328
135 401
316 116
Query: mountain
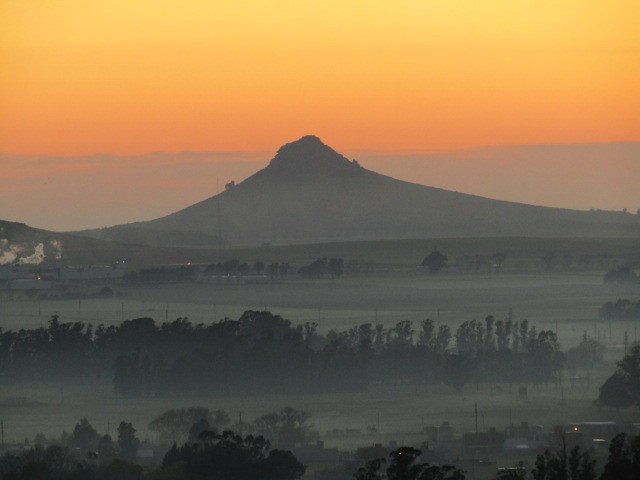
310 193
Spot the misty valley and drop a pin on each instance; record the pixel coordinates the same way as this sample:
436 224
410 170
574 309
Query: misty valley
322 321
367 358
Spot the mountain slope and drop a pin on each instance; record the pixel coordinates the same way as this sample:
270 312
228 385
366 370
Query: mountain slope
310 193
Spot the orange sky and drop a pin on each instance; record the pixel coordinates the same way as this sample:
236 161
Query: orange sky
130 77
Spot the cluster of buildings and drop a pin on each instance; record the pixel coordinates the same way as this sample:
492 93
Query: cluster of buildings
481 454
25 277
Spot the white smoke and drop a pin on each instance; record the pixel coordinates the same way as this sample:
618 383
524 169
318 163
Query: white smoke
34 259
57 249
9 252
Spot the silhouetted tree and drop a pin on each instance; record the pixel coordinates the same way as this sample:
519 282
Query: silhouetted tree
128 443
587 354
119 470
107 450
231 457
623 462
287 428
622 309
317 268
623 387
403 466
173 425
564 465
622 275
614 393
435 261
84 436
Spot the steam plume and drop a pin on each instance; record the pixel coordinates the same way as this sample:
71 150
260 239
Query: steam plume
56 245
34 259
8 252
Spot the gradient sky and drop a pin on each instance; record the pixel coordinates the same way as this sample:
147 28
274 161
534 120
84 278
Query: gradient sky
86 78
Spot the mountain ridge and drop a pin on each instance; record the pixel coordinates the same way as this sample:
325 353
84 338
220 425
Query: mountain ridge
310 193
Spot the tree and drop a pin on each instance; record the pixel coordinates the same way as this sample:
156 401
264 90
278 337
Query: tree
587 354
273 269
127 441
317 268
403 466
623 462
172 426
197 428
287 428
435 261
563 465
84 436
622 275
625 382
120 470
228 456
614 393
106 449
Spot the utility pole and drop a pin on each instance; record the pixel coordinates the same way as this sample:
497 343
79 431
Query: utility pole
476 415
609 329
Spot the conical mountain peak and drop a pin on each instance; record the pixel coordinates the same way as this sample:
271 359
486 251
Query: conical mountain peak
309 155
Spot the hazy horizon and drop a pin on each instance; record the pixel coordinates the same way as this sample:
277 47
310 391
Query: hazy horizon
122 189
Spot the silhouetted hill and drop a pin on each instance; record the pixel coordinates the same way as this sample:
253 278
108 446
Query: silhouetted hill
310 193
20 243
64 249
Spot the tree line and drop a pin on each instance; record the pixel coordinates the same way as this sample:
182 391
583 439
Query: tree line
263 353
334 267
230 456
621 309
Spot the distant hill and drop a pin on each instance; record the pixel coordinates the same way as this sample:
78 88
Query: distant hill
19 241
310 193
21 244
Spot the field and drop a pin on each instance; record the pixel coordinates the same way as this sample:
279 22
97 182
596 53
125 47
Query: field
566 302
400 411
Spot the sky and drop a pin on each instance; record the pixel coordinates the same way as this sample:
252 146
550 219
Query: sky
107 83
